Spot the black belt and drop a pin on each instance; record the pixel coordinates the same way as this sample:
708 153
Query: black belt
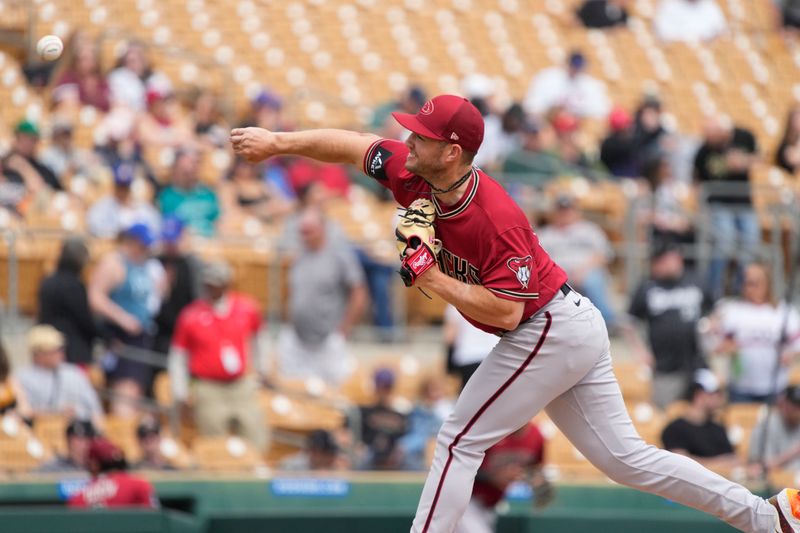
565 288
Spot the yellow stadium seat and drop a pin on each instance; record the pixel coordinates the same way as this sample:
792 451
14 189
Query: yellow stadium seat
232 454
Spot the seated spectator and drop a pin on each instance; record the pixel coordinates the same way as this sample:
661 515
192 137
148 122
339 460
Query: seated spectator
582 249
696 434
536 161
266 111
722 165
603 13
648 130
162 125
382 426
21 165
80 434
187 198
787 13
64 158
670 218
670 304
64 302
245 192
111 485
111 214
52 385
748 329
777 446
12 396
81 82
688 20
148 436
132 76
14 196
577 161
618 151
788 155
207 121
466 345
314 343
424 422
321 453
212 346
122 288
518 457
570 88
409 101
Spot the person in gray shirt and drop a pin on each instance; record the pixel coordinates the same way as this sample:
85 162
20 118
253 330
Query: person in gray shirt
52 385
327 297
782 450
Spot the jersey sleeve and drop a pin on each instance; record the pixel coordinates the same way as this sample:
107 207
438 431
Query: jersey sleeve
384 161
511 272
638 305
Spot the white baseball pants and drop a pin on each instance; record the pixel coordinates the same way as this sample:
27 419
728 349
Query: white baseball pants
559 360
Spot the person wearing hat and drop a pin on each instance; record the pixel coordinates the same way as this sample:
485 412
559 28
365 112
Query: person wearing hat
382 425
569 87
122 291
79 436
64 302
111 484
618 149
163 126
668 304
214 359
63 157
52 385
781 435
535 161
697 434
148 436
22 165
553 349
121 209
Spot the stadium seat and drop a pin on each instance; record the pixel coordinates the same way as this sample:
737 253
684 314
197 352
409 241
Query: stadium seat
225 454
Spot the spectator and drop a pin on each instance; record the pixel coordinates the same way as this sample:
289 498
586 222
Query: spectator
688 20
518 457
788 13
670 304
466 345
212 345
162 124
121 290
722 165
21 165
314 343
424 422
52 385
603 13
648 130
13 189
779 441
64 158
81 82
182 269
696 434
382 426
111 485
132 77
121 209
749 329
583 251
788 155
245 193
536 161
207 121
266 111
80 434
148 436
321 453
568 87
64 304
577 161
671 221
618 151
12 396
188 199
409 101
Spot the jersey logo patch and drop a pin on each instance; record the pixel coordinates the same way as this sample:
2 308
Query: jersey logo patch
521 267
377 161
427 109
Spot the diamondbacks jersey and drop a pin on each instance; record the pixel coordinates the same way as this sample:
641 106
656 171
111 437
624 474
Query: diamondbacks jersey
116 489
486 238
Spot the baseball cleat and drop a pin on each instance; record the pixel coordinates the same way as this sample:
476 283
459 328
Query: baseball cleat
787 503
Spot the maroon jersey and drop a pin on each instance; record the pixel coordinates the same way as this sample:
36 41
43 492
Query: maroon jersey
486 238
116 489
523 448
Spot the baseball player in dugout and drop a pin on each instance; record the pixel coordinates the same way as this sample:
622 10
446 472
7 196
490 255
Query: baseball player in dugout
463 238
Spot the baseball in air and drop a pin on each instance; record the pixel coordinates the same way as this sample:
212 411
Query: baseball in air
49 47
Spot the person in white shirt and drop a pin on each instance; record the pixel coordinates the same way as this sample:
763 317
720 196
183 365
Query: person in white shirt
119 210
688 20
466 345
570 88
748 330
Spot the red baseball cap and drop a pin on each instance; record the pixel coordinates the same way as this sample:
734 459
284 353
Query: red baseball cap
104 451
447 117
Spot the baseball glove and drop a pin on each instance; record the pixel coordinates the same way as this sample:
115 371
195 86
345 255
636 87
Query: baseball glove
415 232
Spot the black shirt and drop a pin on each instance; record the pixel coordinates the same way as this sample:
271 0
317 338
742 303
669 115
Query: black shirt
710 167
670 309
63 304
601 14
618 153
707 440
381 428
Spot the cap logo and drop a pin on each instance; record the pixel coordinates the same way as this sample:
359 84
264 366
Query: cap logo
453 136
427 109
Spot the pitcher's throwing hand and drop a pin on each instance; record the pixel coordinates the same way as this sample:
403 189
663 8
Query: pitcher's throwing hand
254 144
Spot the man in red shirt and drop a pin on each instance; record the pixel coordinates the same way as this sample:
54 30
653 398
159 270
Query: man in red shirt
212 344
554 351
111 485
